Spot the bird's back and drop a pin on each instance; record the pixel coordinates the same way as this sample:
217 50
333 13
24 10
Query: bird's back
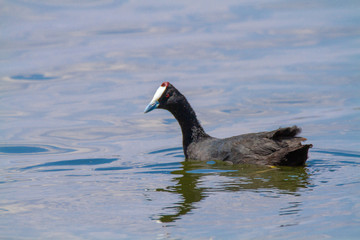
278 147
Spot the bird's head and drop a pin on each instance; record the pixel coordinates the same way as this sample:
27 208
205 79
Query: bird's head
165 96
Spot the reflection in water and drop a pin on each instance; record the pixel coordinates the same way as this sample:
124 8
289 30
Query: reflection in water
187 187
270 182
285 180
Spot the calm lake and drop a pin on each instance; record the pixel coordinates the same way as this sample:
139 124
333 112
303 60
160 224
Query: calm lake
80 160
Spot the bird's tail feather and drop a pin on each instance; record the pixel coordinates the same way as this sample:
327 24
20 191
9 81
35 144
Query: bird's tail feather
288 132
296 157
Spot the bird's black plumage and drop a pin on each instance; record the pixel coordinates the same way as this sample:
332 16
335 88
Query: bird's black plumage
278 147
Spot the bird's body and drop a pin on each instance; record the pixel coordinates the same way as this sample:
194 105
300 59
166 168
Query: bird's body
263 148
278 147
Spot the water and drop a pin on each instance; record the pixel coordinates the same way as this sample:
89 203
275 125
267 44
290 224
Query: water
79 159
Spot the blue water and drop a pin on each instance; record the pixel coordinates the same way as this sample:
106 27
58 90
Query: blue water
80 160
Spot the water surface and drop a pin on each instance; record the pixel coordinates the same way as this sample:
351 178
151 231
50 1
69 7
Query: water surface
80 160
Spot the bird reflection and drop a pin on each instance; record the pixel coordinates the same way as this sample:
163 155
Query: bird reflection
187 187
270 181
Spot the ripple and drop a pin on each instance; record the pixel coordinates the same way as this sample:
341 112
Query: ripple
121 31
174 150
74 162
113 168
334 158
208 171
341 153
25 149
35 76
56 170
22 149
294 208
162 168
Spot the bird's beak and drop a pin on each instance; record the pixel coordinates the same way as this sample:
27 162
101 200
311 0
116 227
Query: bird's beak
155 101
152 105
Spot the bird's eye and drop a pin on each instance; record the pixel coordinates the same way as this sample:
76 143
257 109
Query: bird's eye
167 95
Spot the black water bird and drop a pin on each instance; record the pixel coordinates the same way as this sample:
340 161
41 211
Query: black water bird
278 147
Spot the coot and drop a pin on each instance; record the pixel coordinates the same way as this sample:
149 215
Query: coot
278 147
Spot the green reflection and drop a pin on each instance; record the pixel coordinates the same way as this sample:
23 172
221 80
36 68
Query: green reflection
187 186
269 181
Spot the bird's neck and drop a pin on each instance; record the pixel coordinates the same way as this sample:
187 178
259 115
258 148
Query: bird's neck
191 129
